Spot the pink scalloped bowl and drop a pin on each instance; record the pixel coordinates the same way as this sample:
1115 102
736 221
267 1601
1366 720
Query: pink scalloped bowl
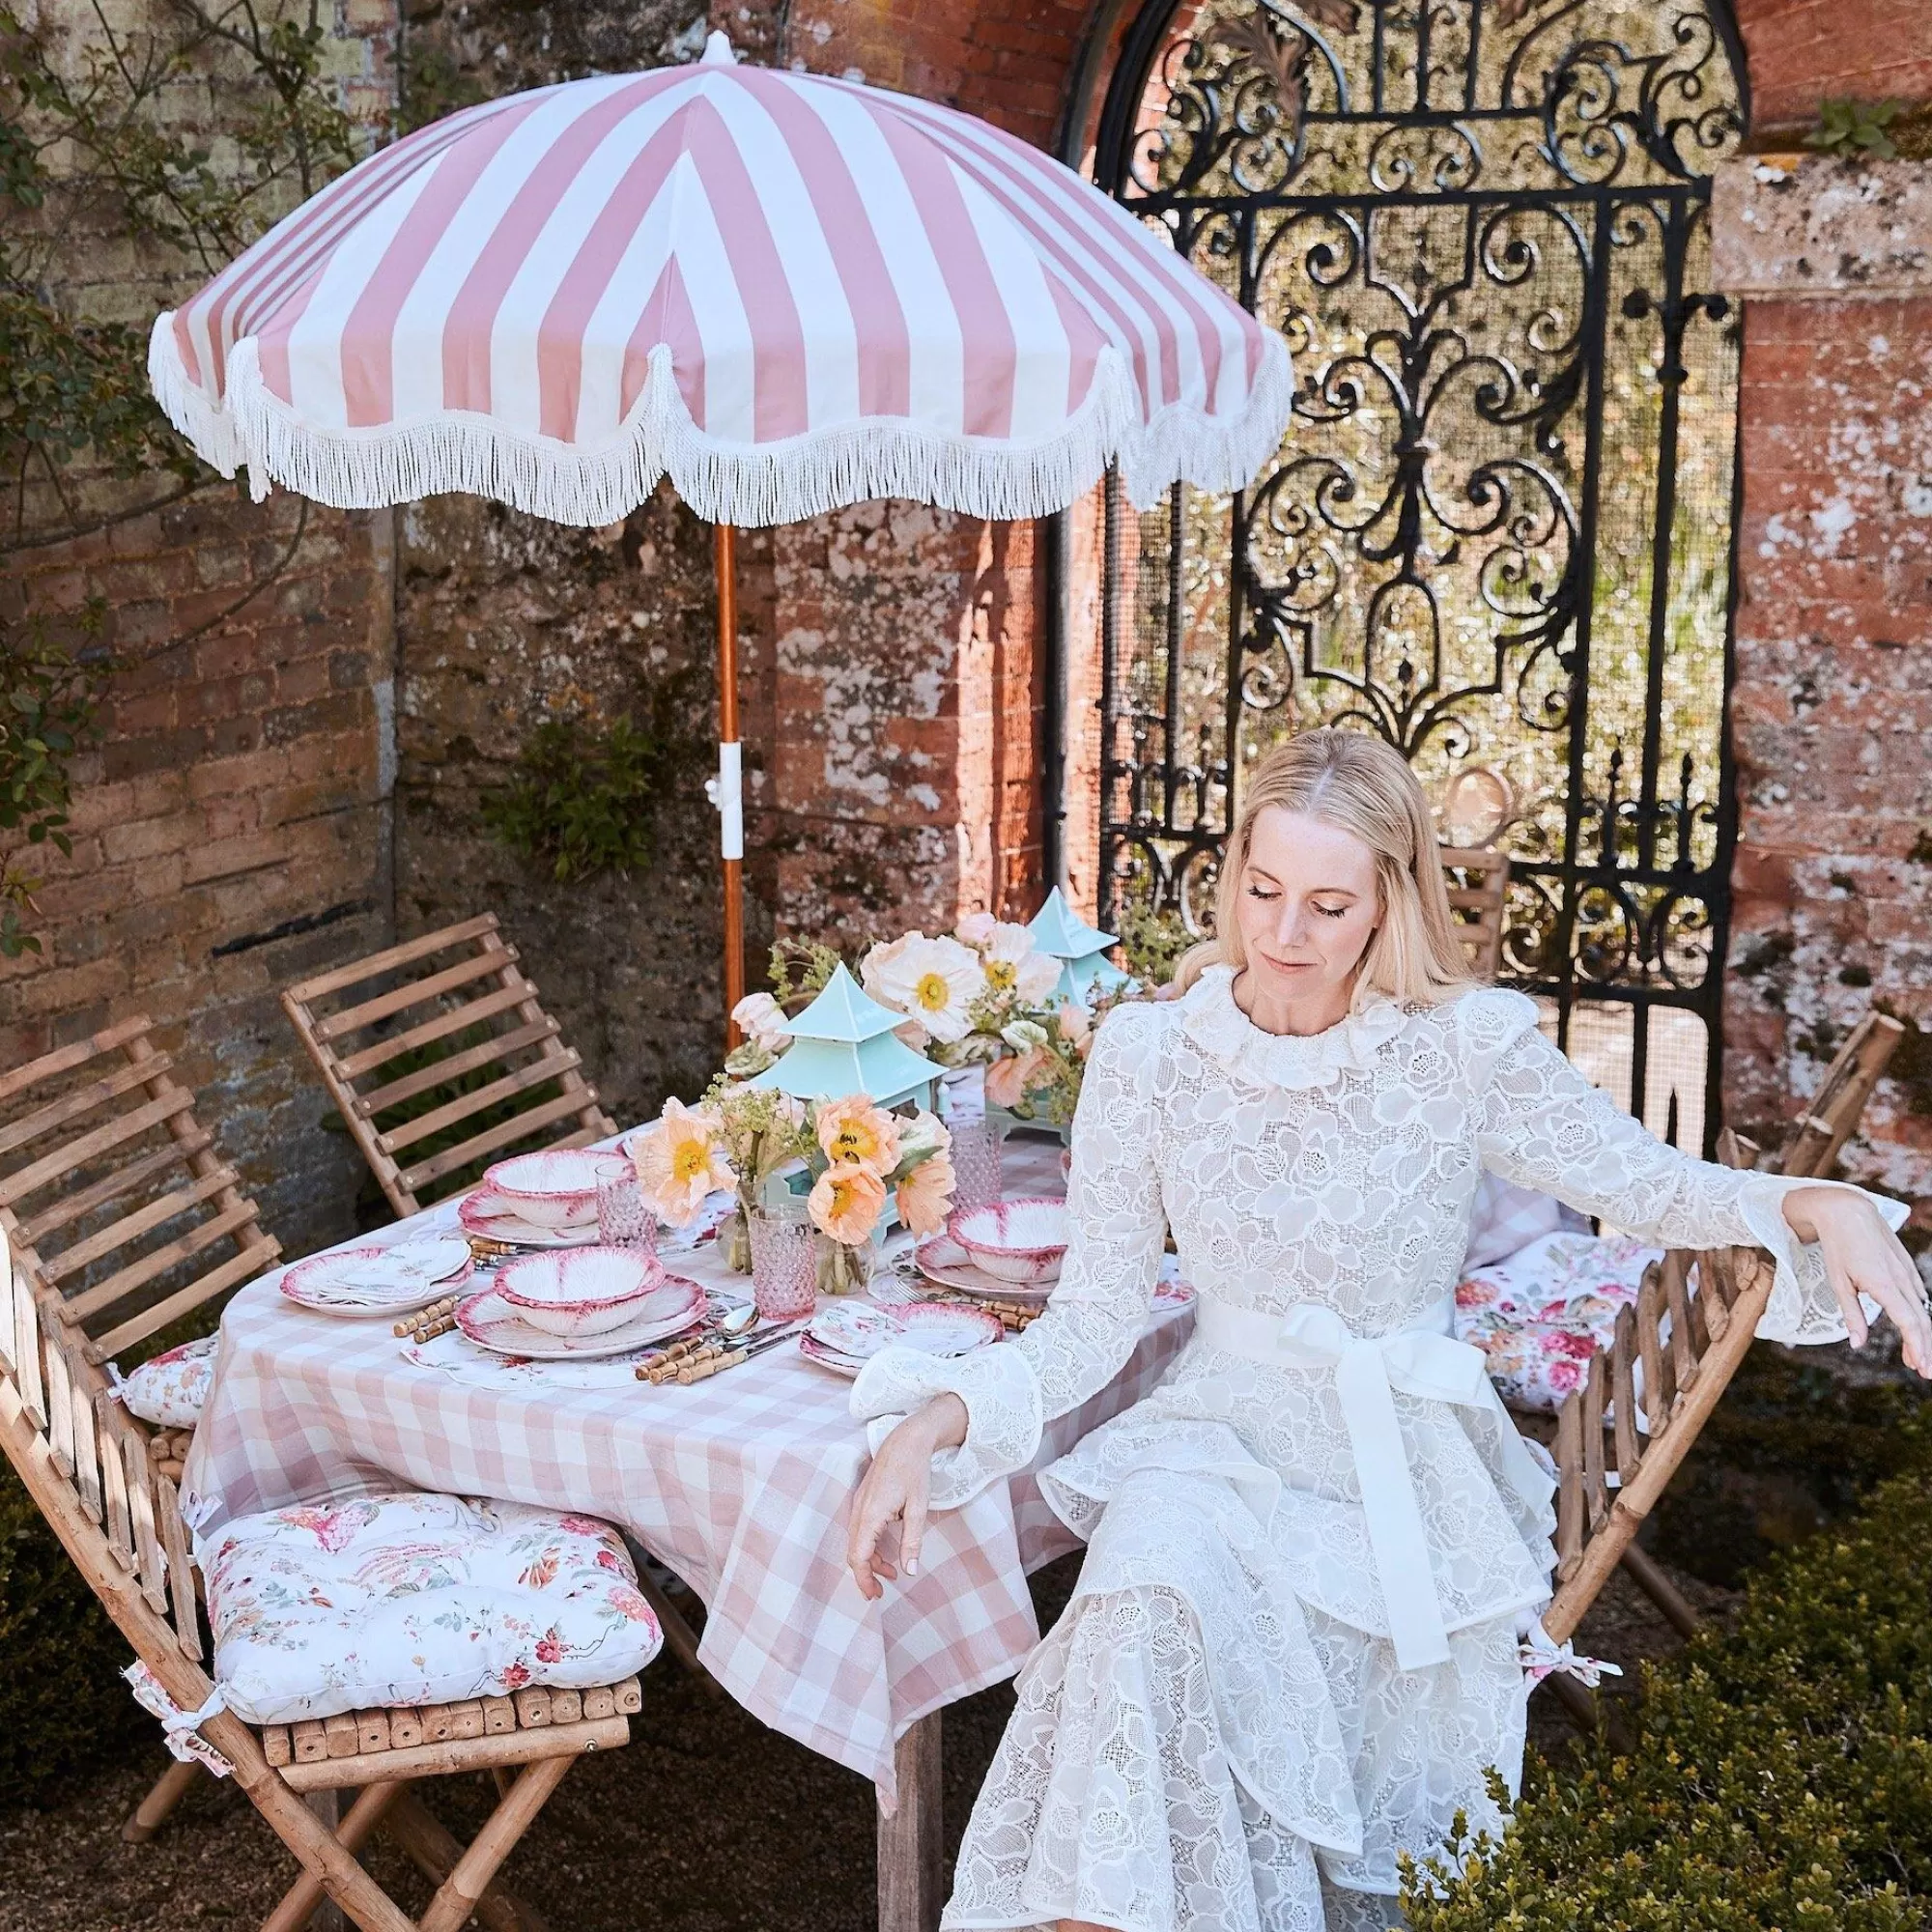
556 1188
1016 1241
583 1291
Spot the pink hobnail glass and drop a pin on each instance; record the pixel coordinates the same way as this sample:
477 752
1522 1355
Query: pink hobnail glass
624 1219
976 1162
784 1272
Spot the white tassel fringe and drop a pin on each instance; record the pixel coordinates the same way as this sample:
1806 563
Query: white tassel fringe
736 483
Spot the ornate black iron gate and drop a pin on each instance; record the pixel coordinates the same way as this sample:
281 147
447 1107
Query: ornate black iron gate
1499 530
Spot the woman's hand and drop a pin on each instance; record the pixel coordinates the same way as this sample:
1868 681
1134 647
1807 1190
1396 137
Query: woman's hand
896 1488
1862 1255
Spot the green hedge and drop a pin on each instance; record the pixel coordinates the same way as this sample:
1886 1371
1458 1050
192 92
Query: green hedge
1782 1776
64 1708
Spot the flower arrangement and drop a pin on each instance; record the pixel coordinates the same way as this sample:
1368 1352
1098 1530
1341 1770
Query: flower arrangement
855 1152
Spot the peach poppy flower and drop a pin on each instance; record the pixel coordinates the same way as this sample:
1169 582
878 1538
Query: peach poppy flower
854 1129
1008 1079
679 1162
925 1195
847 1202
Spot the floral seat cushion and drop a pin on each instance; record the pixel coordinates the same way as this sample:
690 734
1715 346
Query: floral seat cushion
1541 1314
169 1390
418 1599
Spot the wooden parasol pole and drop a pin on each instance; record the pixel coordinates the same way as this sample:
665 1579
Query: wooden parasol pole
729 795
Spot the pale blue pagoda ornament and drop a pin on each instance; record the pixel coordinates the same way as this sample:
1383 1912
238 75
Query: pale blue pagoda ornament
842 1044
1085 970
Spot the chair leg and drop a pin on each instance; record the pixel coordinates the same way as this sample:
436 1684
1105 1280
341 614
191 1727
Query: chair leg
170 1788
326 1916
302 1899
457 1895
434 1852
679 1637
1647 1573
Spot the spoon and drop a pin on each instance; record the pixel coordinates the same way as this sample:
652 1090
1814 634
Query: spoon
738 1319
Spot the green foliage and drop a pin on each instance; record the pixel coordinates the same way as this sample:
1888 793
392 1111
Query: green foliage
1152 942
583 800
433 84
65 1711
1847 126
73 391
1782 1776
799 970
48 706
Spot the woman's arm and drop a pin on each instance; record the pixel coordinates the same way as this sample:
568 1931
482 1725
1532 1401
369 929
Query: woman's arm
1540 1124
944 1429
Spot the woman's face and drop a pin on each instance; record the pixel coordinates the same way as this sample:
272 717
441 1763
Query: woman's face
1308 905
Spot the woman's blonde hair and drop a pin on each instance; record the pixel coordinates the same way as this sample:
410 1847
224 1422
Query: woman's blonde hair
1360 785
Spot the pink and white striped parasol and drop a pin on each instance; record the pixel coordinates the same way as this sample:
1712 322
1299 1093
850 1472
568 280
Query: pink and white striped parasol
785 291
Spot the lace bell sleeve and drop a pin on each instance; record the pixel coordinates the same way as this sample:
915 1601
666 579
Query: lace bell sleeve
1116 1231
1540 1123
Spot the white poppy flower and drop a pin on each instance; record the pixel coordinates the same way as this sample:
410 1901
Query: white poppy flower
931 980
761 1019
1013 964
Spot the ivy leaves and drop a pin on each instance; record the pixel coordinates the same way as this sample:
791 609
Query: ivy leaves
584 799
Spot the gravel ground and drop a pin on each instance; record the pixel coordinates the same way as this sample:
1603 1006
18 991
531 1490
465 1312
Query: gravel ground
707 1823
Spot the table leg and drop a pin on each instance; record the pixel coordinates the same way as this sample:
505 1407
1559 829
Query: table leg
909 1841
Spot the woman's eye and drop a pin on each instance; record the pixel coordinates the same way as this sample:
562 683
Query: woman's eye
1332 912
1256 893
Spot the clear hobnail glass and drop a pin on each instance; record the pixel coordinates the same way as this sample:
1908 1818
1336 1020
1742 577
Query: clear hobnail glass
624 1218
976 1162
784 1262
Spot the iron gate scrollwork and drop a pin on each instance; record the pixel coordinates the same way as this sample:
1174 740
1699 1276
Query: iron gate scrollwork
1498 531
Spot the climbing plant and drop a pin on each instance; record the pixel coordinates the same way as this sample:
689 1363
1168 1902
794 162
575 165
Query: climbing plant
91 145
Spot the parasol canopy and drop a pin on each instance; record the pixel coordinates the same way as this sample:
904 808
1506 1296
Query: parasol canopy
785 291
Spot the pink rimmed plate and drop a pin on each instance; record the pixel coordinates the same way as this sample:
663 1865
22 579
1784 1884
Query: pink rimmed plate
490 1218
846 1335
379 1281
944 1262
491 1323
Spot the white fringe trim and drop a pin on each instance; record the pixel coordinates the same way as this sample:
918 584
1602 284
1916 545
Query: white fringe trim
723 482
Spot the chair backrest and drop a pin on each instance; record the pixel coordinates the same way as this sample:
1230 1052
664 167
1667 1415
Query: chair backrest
1478 881
1684 1372
1822 1130
86 1467
112 1195
439 1058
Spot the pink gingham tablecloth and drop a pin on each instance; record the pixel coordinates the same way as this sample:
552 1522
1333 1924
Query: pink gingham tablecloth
740 1484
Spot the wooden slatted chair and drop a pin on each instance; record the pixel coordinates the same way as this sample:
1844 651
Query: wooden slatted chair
120 1521
439 1058
1478 881
113 1198
1831 1119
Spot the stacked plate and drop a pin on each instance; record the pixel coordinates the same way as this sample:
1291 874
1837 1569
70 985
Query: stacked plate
845 1336
381 1280
540 1200
582 1306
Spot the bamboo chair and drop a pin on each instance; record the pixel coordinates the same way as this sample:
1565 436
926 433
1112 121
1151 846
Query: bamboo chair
1819 1133
1478 881
120 1521
400 1038
113 1199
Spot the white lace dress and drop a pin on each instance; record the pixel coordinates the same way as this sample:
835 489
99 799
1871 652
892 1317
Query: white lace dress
1292 1651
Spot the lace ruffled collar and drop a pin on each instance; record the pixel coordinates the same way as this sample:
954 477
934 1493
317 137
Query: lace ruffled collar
1221 1028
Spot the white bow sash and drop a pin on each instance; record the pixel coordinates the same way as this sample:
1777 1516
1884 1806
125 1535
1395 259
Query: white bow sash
1420 1361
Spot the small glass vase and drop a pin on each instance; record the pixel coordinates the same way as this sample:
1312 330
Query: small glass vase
784 1262
844 1269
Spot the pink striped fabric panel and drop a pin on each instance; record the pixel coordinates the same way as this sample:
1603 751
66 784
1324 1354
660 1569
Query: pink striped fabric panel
812 253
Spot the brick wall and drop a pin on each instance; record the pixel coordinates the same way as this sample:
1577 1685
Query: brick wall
1803 50
1832 709
231 827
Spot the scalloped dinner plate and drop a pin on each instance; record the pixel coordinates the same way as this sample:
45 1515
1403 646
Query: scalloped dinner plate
491 1323
490 1218
375 1280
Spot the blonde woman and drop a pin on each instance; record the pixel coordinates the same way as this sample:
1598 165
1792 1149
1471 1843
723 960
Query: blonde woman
1292 1654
